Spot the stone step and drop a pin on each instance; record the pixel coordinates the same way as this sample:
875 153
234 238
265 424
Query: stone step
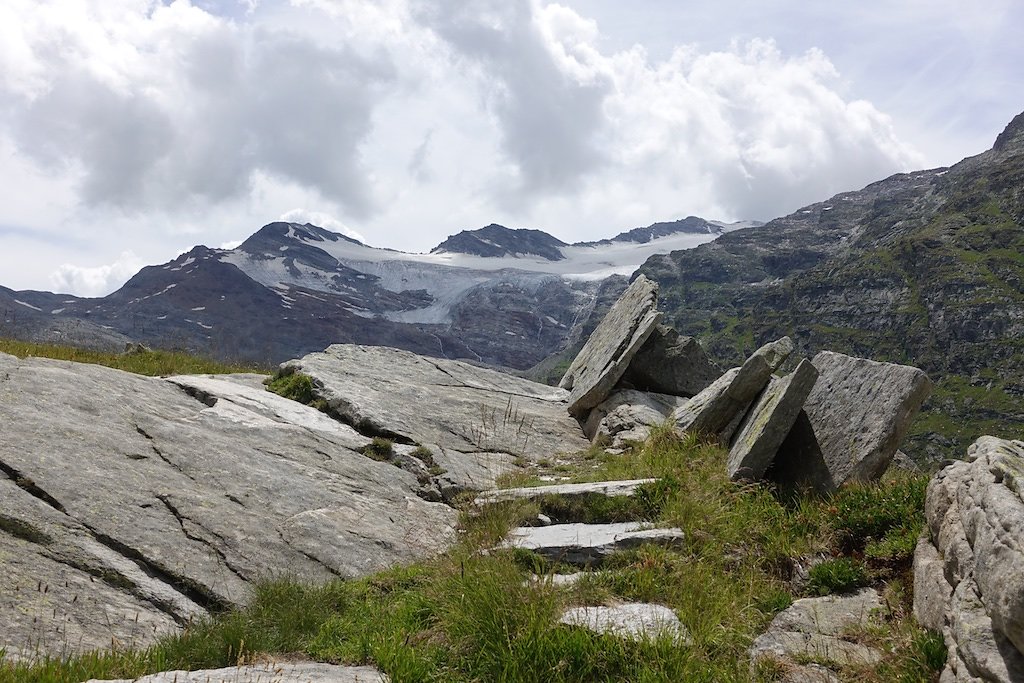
588 544
610 489
307 672
633 621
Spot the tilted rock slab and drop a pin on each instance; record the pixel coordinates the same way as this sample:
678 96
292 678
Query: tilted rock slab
618 337
818 628
669 363
713 410
587 544
628 415
265 673
611 489
131 505
852 423
718 409
969 579
766 425
631 620
454 406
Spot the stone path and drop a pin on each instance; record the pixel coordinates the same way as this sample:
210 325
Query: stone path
588 545
306 672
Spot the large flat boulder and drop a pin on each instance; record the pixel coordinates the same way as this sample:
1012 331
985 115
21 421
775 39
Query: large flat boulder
131 505
712 411
769 421
969 573
618 337
457 407
588 544
669 363
852 423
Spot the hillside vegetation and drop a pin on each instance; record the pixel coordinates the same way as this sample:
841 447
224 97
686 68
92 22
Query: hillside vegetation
142 362
474 614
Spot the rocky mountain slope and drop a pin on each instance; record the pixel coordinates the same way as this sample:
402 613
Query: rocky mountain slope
495 295
924 268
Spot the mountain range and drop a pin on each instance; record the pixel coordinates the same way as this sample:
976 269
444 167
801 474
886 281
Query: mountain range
498 296
924 268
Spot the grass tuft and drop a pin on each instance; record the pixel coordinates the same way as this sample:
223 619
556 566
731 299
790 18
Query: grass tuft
144 362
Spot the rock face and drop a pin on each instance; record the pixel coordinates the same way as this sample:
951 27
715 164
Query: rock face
633 620
670 364
766 425
465 411
266 673
587 544
820 628
606 355
130 505
628 415
854 420
969 579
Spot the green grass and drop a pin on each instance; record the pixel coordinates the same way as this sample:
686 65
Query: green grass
469 616
153 363
841 575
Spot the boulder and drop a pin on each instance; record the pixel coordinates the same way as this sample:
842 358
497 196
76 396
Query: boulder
587 544
618 337
610 489
266 673
669 363
631 620
777 352
769 421
454 406
821 629
852 422
132 505
628 415
970 574
713 410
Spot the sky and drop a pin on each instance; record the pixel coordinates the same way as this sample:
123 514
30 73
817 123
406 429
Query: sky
132 130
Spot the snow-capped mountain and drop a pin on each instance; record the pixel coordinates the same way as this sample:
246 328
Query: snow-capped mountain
494 295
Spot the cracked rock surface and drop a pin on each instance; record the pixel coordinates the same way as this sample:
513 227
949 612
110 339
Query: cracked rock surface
447 404
130 505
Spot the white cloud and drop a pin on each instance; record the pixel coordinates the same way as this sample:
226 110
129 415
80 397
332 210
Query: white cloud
322 220
146 125
95 280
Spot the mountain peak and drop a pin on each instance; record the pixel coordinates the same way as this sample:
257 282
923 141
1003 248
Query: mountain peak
1012 137
496 241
